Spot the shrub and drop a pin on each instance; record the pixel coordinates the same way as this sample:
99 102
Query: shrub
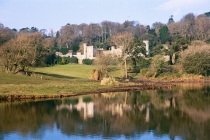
73 59
169 75
95 74
143 71
157 65
87 61
195 59
141 63
58 59
198 63
61 60
109 81
64 50
156 50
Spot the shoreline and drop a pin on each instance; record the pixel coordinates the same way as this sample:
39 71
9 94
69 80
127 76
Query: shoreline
175 80
141 84
138 87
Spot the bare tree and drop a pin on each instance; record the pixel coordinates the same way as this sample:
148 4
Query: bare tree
156 26
48 42
91 33
68 35
175 30
188 26
21 52
202 27
104 62
122 40
140 30
5 34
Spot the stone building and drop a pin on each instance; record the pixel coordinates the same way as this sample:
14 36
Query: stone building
90 52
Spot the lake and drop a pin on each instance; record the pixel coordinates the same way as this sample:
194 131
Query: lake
176 114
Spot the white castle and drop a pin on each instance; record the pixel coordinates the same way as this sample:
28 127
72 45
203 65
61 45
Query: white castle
86 109
90 52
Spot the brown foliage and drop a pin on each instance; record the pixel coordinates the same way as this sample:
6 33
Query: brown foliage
20 52
122 40
95 75
5 34
104 63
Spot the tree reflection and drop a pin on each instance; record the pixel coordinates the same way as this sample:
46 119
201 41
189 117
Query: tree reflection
181 112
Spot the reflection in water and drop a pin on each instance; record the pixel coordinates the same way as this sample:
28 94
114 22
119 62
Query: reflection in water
147 114
81 105
180 113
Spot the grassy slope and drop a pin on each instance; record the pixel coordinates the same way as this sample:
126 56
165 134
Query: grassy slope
59 79
73 71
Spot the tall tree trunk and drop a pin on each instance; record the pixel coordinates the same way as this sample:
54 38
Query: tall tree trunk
102 36
110 32
134 63
126 73
105 35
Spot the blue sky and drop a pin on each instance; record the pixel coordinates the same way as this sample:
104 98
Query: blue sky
52 14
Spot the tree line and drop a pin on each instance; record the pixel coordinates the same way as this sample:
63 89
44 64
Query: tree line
33 47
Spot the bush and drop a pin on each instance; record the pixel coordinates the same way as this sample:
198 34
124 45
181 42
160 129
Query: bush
156 50
169 75
87 61
58 59
73 59
144 71
141 63
64 50
50 60
61 60
109 81
157 65
198 63
95 74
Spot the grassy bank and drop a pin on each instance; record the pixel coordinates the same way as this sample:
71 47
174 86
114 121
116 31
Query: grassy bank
61 81
51 81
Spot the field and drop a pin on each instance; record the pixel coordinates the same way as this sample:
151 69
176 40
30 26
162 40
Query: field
62 81
49 81
73 71
70 71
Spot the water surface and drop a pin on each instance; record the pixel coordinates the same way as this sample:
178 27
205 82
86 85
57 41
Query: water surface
180 113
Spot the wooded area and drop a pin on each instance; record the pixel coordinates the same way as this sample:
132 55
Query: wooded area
26 47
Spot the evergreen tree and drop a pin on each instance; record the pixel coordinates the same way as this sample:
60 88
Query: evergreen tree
170 20
207 14
164 35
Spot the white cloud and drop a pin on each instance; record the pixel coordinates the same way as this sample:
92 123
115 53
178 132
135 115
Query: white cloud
179 4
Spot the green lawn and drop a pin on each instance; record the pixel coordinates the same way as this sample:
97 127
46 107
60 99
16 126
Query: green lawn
58 79
72 71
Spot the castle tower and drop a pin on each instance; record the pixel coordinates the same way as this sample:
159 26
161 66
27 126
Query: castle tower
89 53
85 50
147 47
